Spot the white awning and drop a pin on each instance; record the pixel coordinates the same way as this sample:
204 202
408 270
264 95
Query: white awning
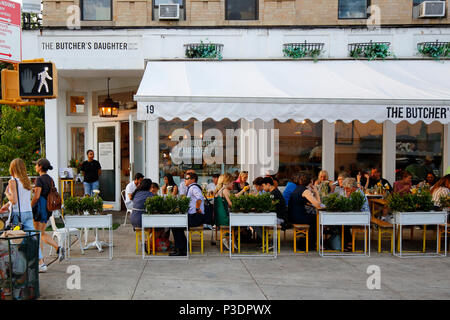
325 90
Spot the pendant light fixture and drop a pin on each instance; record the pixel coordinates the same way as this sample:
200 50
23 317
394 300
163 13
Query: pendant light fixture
108 108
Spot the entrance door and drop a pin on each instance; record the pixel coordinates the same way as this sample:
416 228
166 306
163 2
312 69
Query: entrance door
107 151
137 146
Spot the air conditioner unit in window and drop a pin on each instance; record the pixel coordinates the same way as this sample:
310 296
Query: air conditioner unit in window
169 12
432 9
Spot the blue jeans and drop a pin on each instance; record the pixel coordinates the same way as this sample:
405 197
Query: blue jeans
27 221
89 187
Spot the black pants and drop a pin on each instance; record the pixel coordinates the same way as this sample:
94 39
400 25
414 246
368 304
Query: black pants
194 220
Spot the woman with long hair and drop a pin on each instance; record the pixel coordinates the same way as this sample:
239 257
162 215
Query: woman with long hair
42 188
440 189
169 187
18 193
222 203
241 182
138 198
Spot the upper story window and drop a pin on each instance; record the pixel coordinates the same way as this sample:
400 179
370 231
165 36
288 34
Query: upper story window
353 9
417 2
241 9
96 10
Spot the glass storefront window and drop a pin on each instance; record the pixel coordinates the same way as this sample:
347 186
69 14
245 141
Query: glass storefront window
359 147
300 148
77 139
419 149
175 158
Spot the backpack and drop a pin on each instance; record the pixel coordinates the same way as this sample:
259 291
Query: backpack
53 199
208 216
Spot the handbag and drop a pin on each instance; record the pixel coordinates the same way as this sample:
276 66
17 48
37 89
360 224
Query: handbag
53 199
11 225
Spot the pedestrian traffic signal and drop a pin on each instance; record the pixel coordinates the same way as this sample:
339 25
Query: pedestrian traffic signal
38 80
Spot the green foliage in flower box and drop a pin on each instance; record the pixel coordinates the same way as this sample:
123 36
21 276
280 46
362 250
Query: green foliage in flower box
435 51
203 51
78 205
167 205
372 52
338 203
253 203
410 202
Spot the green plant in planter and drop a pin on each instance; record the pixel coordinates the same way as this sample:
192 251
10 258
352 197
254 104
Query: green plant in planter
372 52
444 202
301 52
253 203
183 204
434 51
154 205
410 202
72 206
170 205
204 51
338 203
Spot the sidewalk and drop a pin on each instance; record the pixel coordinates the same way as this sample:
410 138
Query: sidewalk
215 276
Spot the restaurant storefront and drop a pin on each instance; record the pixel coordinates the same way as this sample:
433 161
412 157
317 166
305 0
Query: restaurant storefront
261 115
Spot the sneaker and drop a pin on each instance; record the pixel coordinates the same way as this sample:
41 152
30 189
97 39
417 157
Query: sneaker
42 268
225 243
207 227
61 253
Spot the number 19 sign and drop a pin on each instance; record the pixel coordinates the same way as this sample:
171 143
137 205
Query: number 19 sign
146 111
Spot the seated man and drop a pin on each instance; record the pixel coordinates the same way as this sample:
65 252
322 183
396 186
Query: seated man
403 186
196 213
375 178
131 187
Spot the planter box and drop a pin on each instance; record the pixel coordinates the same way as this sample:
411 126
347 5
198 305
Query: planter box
420 218
88 221
344 218
164 221
253 219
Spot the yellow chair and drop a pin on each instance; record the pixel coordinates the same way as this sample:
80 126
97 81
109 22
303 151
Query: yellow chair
267 231
441 235
139 236
301 231
355 231
384 228
222 231
196 231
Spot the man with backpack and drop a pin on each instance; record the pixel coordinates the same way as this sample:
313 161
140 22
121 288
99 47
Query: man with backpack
196 213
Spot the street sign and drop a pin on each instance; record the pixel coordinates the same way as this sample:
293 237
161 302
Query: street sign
10 32
38 80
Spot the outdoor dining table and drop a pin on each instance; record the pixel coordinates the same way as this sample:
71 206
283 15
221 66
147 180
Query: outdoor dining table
253 220
374 202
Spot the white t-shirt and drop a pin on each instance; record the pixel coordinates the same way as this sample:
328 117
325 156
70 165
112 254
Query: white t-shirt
211 187
131 187
182 189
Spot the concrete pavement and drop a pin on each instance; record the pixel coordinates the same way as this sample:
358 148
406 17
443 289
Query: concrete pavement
215 276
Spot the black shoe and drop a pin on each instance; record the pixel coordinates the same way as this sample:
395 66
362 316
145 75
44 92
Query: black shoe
177 253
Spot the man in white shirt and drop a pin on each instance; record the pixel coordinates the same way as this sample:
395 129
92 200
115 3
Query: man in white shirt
211 187
182 190
131 187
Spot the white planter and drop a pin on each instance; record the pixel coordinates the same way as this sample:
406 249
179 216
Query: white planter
420 218
164 221
88 221
344 218
253 219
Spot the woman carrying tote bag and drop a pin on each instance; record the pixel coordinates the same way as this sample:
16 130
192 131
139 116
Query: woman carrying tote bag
18 193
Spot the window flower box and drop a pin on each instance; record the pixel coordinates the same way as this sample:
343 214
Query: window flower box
302 50
370 50
434 50
209 51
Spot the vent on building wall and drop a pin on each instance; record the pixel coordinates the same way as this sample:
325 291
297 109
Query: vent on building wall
169 12
432 9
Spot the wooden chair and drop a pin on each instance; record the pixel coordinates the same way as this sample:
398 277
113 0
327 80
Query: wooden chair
441 235
267 231
384 228
301 231
139 236
196 231
355 231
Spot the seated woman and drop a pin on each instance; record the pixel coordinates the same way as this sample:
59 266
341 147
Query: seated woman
323 184
222 203
337 186
138 198
404 185
241 183
429 181
169 187
154 188
297 211
350 186
440 189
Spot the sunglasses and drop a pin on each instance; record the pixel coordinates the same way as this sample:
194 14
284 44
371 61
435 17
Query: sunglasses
188 178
